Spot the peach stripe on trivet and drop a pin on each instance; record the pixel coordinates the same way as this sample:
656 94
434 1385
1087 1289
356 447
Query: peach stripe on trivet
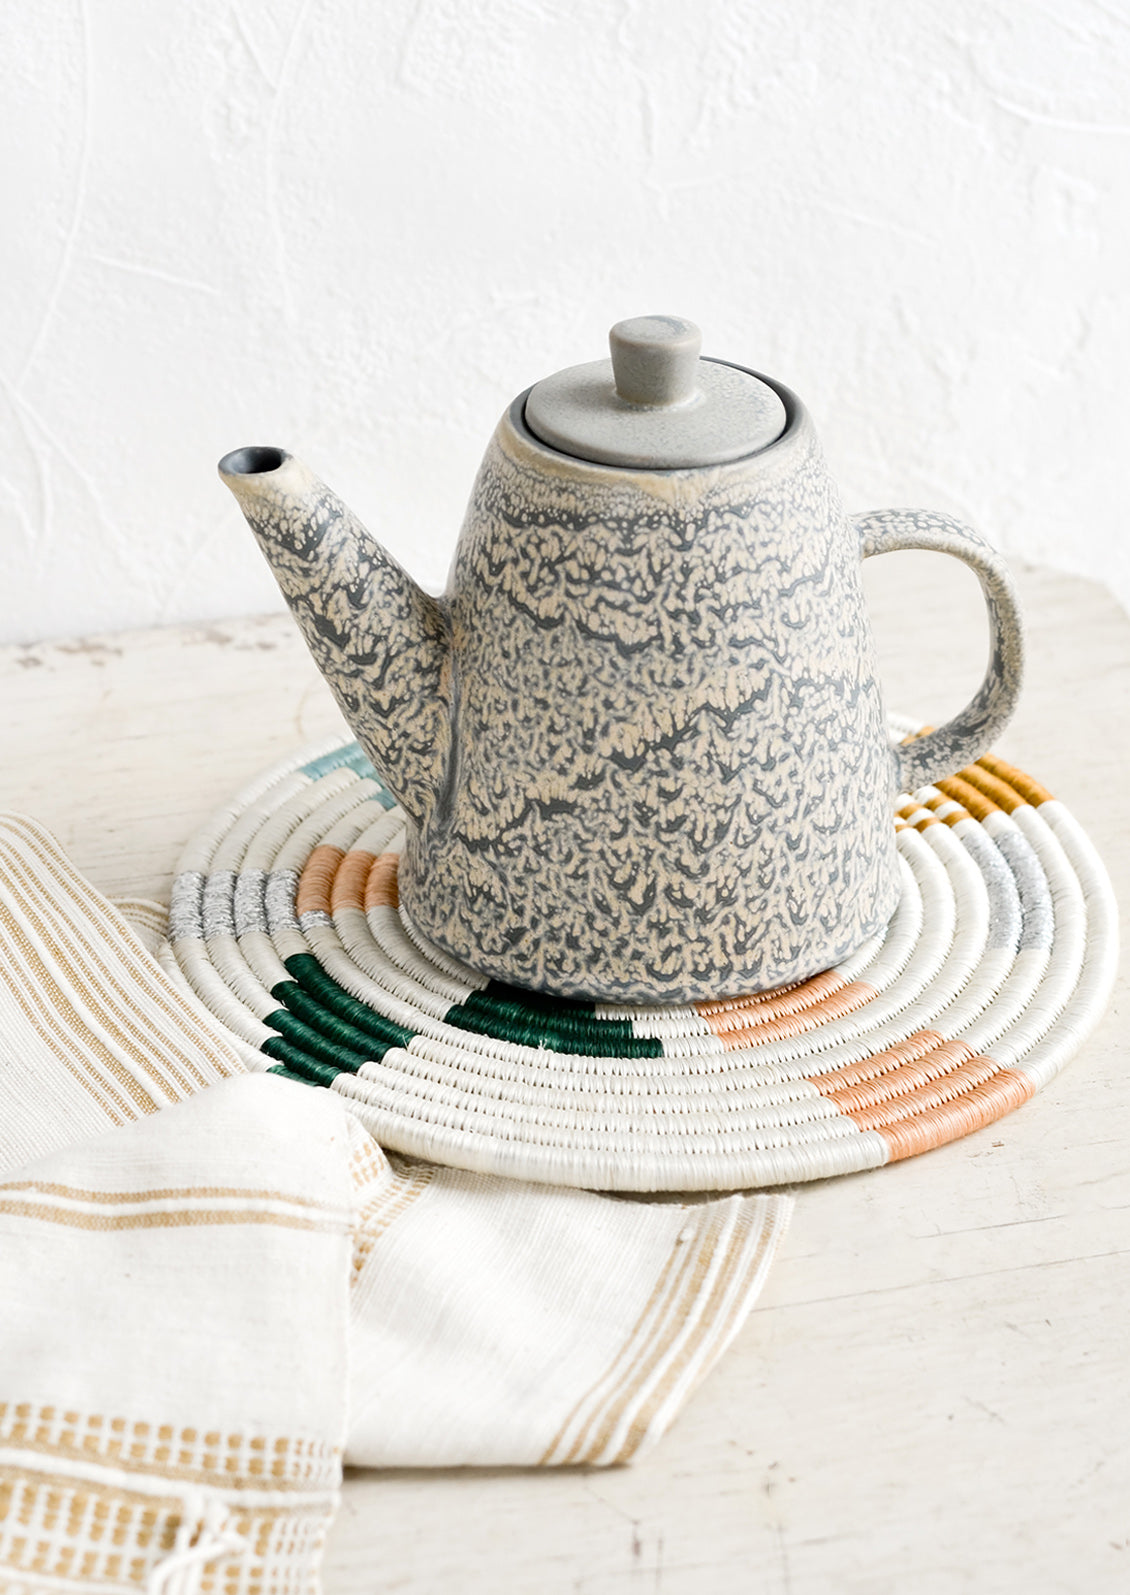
992 787
1006 1091
905 1079
382 889
850 997
314 883
1031 791
726 1013
956 816
963 792
959 1082
909 810
879 1063
349 882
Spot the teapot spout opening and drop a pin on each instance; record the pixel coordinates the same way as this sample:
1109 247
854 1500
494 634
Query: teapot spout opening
256 460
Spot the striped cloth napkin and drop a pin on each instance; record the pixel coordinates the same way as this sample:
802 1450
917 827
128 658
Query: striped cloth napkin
217 1287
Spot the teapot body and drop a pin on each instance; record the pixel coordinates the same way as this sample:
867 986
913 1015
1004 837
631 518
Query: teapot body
669 776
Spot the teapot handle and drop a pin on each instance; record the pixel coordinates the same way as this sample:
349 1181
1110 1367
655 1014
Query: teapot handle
971 733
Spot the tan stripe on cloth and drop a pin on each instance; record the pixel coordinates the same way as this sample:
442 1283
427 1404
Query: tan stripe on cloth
92 1031
216 1284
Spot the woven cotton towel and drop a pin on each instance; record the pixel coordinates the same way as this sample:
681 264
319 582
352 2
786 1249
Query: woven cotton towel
154 1371
217 1286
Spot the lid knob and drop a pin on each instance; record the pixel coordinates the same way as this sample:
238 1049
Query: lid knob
655 405
655 360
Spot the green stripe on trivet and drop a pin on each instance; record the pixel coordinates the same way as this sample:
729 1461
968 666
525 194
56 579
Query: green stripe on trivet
287 1074
309 974
298 1065
333 1030
562 1024
319 1041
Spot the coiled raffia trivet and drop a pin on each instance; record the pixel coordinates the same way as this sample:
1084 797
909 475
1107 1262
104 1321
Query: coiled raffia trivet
996 965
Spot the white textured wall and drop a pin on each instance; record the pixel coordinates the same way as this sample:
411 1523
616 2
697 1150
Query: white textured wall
357 228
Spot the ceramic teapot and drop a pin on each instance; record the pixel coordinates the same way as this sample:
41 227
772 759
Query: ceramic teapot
640 743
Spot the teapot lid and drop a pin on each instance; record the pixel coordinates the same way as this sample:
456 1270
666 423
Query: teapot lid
655 403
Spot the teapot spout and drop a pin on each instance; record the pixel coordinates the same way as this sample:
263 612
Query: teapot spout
381 642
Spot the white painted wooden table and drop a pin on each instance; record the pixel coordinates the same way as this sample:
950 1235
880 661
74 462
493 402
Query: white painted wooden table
933 1394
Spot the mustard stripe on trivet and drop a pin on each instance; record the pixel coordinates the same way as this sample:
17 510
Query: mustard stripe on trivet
286 921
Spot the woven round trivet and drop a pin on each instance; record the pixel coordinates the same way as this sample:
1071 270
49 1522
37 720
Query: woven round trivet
996 965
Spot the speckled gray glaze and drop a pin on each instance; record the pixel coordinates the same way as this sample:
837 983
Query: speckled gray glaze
641 741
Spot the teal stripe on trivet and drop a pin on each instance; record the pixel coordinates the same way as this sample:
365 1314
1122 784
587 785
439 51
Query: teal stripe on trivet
309 975
350 758
562 1024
